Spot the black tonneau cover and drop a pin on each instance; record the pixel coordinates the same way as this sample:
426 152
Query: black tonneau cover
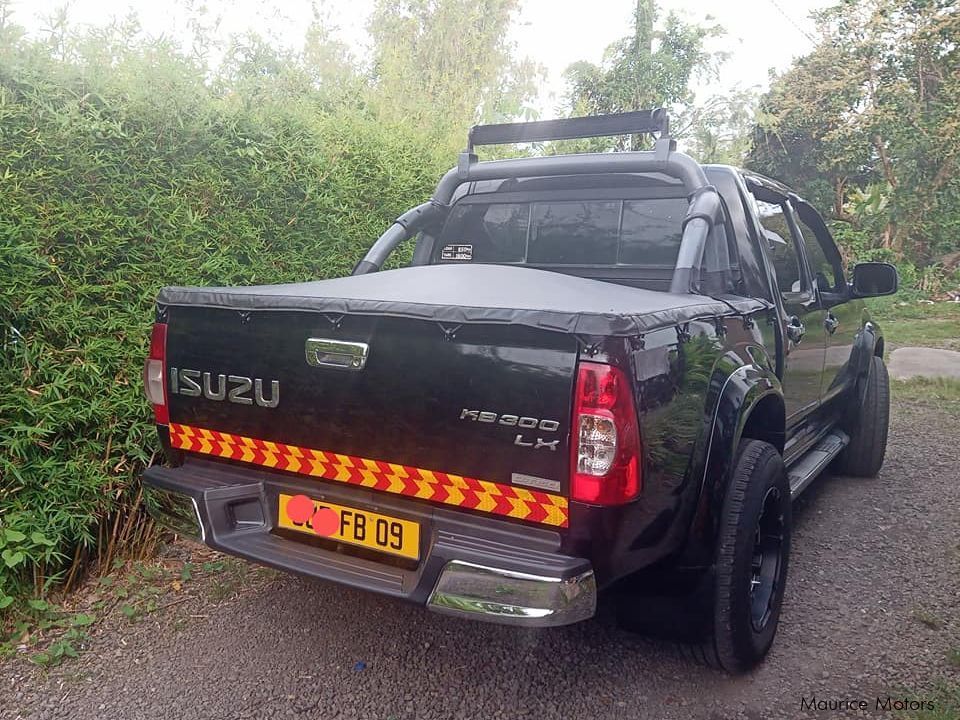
475 294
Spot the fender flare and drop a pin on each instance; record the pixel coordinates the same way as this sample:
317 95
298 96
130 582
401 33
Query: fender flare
745 390
864 348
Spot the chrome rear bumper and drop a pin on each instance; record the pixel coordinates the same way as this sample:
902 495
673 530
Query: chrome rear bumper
469 566
175 511
513 598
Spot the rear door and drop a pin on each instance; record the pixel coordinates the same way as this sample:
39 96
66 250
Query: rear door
842 317
805 346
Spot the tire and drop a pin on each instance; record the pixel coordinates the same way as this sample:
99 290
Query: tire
868 426
752 559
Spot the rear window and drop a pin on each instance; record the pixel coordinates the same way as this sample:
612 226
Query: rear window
565 232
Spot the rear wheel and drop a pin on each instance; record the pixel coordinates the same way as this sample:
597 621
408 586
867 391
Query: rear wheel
751 564
868 425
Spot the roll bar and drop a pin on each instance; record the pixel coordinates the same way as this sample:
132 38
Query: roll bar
704 211
403 228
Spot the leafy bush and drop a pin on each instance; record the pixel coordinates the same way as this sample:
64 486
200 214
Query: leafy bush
123 171
916 282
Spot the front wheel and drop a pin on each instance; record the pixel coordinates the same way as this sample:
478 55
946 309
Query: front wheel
868 425
752 557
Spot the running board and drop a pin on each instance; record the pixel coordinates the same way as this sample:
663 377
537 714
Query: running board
807 468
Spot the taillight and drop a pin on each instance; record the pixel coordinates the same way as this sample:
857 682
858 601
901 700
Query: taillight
605 443
154 374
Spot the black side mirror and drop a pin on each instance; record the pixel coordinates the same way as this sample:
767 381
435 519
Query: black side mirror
872 279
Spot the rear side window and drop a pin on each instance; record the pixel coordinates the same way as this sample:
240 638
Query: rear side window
786 262
590 232
829 276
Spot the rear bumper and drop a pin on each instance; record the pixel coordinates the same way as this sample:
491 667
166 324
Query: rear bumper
513 598
477 567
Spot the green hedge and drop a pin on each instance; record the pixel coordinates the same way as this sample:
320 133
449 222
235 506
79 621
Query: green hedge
116 178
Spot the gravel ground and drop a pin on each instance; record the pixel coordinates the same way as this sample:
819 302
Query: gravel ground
871 609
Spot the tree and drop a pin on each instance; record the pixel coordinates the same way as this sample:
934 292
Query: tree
329 61
869 122
719 130
443 65
648 68
801 133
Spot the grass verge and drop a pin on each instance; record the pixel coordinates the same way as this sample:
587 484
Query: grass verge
50 632
918 323
941 702
939 393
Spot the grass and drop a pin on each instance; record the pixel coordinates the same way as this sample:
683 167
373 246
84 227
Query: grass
942 700
923 324
928 619
918 323
48 633
940 393
945 700
936 333
906 307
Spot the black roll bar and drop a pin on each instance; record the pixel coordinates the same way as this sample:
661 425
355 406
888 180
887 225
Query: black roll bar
705 207
403 228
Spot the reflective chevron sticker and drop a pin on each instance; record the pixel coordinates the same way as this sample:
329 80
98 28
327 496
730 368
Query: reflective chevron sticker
433 485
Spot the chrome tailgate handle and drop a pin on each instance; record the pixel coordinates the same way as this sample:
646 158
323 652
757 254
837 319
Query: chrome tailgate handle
323 352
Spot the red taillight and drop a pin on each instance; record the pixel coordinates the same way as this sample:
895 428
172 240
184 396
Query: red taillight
155 374
605 441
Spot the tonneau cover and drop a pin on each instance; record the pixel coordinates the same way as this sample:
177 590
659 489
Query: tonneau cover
475 293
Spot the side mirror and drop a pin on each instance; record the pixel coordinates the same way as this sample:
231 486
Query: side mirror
872 279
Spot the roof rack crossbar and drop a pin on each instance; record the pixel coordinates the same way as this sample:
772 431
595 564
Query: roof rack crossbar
641 122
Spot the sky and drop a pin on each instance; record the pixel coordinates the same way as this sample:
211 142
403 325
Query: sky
760 34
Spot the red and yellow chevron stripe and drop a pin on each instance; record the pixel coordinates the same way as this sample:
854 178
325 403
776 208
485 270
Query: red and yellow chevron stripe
432 485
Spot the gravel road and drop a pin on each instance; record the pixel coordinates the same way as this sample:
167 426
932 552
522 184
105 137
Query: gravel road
871 609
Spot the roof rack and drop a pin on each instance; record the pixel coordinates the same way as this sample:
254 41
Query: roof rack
641 122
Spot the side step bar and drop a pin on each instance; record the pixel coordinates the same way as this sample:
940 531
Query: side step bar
812 463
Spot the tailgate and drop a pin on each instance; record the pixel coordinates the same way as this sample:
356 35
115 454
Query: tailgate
475 416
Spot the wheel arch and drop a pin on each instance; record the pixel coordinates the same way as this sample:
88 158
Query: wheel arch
879 347
765 420
750 405
868 342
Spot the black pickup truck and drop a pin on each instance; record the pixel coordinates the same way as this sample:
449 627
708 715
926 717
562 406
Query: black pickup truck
605 371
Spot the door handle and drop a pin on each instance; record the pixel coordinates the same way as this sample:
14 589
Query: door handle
831 323
795 329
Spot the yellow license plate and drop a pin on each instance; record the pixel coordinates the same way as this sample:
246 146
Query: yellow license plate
349 525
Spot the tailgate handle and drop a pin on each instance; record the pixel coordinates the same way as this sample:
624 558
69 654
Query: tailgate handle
323 352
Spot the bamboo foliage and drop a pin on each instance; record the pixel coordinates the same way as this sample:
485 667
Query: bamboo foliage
126 166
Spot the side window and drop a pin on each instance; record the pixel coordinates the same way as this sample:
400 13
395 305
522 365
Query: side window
829 277
786 262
